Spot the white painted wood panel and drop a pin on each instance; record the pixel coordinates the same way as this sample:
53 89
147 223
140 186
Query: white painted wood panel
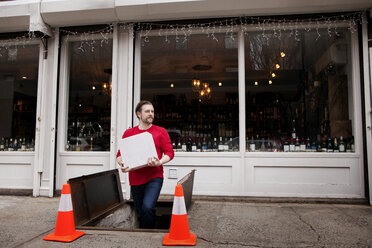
214 175
16 170
310 176
315 175
76 164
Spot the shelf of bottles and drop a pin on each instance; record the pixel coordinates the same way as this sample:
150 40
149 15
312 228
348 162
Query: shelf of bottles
22 137
200 127
88 132
273 141
17 144
297 144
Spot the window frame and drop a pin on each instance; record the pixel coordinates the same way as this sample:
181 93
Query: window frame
64 83
39 94
353 86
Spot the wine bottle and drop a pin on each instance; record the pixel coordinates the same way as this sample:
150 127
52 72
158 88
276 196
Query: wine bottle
184 147
252 145
174 145
77 146
324 145
314 145
286 146
274 146
67 147
302 145
348 146
292 145
335 145
198 146
193 146
308 145
32 147
11 145
189 145
341 146
215 145
209 145
2 144
6 145
293 129
330 145
263 146
297 145
179 145
221 145
23 145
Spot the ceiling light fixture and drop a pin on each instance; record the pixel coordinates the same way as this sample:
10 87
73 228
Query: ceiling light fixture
203 89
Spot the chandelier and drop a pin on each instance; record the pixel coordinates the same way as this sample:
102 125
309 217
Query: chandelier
202 89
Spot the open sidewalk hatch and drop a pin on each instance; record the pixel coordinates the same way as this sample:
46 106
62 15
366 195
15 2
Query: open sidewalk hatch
98 203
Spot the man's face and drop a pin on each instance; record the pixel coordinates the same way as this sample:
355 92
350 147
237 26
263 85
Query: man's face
147 114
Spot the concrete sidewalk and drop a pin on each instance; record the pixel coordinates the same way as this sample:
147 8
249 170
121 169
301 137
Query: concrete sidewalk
24 221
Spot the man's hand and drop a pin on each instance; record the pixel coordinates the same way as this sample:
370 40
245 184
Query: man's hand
154 161
121 164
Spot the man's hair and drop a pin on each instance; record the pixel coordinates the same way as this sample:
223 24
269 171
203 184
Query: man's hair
140 104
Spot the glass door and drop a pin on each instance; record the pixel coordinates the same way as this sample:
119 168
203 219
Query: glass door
84 107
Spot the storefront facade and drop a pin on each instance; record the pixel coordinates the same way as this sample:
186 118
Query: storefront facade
268 101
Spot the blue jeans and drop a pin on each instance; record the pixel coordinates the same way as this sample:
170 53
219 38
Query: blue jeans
144 198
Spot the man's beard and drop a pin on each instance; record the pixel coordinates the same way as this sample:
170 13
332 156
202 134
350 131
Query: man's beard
148 120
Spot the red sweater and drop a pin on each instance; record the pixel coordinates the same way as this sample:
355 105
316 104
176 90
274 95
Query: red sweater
163 145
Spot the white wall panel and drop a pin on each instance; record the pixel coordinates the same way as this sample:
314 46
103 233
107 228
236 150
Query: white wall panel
16 170
301 175
337 175
214 175
79 164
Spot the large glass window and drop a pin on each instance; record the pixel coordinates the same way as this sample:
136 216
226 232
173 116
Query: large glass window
18 97
298 91
89 96
193 84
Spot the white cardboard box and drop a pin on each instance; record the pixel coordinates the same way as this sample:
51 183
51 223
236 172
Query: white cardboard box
135 150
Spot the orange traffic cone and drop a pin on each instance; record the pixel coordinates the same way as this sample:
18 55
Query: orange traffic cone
65 224
179 233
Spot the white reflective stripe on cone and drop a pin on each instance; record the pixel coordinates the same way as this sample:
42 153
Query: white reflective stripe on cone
179 207
65 203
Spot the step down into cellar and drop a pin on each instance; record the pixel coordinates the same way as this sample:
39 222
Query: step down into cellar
98 203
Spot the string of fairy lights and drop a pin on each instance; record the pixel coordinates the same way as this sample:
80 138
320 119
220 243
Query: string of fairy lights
268 26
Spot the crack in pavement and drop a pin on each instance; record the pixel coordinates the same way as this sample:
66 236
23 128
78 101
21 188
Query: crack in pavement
355 219
40 235
228 243
306 223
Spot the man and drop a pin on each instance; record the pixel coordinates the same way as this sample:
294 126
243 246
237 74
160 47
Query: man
146 182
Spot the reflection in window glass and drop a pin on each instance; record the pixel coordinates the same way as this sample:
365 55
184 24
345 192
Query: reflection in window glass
18 97
193 84
297 92
89 105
